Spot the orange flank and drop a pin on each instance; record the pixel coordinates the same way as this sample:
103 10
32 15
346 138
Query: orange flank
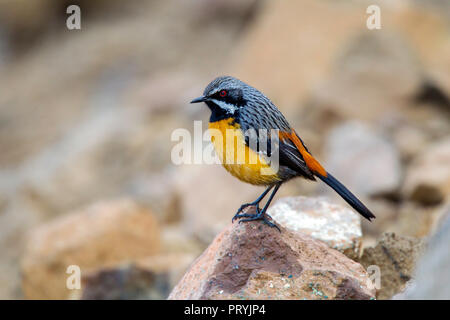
310 161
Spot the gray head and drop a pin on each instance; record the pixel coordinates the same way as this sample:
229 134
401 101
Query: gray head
227 95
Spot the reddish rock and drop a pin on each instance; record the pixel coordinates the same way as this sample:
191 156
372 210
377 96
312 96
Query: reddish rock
254 261
100 236
127 282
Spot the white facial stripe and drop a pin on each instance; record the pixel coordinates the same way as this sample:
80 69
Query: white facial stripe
225 106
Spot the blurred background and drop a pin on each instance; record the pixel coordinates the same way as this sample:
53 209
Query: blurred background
86 118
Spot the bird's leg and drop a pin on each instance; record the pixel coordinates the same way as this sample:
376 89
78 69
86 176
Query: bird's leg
254 203
261 215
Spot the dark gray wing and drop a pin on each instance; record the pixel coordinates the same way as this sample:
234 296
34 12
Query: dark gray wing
255 119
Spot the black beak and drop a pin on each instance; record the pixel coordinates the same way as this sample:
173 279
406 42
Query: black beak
199 99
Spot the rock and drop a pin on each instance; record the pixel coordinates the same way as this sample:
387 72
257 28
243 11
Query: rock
300 52
363 160
173 265
396 256
433 269
176 239
428 178
414 220
126 283
102 235
240 10
372 77
386 212
157 192
410 140
253 261
148 278
339 227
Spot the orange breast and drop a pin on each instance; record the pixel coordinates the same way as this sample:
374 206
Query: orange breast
238 159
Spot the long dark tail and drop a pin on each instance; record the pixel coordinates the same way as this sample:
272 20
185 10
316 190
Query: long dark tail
346 195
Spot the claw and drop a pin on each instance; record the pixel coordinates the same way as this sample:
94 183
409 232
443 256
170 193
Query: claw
260 214
244 215
257 216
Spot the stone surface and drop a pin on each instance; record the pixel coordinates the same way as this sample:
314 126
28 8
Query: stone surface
102 235
336 225
363 160
147 278
396 256
432 274
125 283
172 265
415 220
428 178
254 261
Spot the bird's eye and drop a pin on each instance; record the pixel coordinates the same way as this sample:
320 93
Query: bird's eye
223 93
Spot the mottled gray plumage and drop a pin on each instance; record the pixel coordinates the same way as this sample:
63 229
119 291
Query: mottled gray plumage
258 112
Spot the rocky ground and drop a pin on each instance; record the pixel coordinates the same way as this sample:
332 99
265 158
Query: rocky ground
86 177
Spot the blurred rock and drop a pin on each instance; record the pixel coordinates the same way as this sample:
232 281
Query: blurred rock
396 256
254 261
374 69
157 192
23 19
428 178
386 212
172 265
125 283
241 10
176 239
433 269
410 140
373 77
98 236
414 220
339 227
147 278
126 96
363 160
301 49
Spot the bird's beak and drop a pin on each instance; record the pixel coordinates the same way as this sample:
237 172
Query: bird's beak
199 99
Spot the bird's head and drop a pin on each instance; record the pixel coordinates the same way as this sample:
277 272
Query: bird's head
225 95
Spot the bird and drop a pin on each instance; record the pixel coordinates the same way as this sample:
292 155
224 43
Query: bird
239 108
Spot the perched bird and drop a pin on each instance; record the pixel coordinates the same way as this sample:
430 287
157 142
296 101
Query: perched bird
239 108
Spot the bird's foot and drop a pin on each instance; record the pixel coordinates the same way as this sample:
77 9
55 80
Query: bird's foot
257 216
246 215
